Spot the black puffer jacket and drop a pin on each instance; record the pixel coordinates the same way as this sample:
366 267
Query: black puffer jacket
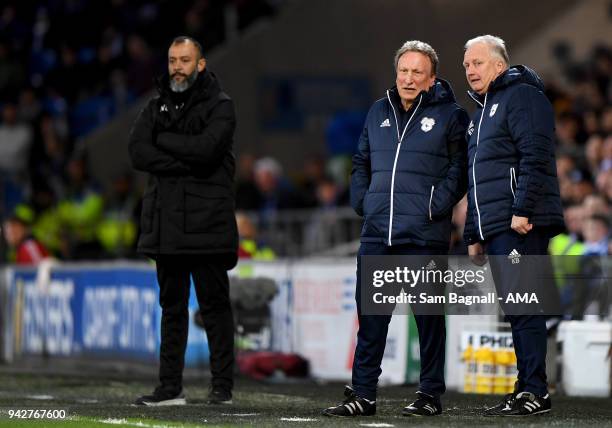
512 168
186 146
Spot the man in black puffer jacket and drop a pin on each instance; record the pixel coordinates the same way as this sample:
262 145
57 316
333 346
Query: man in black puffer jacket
514 205
409 172
184 139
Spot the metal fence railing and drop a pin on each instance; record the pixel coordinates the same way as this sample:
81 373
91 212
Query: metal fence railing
300 233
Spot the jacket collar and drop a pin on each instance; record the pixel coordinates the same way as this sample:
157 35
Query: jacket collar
440 92
514 75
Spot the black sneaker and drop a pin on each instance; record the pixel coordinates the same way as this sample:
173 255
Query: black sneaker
424 405
504 405
218 395
352 406
161 397
527 403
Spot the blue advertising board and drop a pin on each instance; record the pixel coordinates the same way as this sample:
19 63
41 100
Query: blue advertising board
103 310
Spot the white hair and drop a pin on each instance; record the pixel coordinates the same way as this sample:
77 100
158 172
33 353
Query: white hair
496 45
268 164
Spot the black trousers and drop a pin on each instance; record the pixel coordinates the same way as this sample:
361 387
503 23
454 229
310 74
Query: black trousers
373 329
528 331
212 290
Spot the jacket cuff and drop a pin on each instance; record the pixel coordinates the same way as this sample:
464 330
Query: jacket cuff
520 212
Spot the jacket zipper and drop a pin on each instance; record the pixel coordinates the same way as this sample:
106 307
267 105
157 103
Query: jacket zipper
399 145
430 199
474 167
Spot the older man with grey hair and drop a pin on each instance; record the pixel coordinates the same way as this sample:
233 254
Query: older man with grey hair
408 173
514 206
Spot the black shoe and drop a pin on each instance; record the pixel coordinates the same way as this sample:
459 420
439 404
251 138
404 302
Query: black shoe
527 403
218 395
352 406
503 405
424 405
161 397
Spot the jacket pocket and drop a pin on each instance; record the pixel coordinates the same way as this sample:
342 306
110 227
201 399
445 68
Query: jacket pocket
513 182
207 210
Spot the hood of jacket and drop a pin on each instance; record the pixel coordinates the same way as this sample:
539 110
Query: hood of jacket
514 75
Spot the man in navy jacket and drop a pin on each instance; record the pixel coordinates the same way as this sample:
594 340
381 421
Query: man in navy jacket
514 205
409 172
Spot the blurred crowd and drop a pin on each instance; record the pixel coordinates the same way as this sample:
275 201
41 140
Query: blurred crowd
584 153
68 66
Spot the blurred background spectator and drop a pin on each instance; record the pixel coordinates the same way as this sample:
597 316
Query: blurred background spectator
24 249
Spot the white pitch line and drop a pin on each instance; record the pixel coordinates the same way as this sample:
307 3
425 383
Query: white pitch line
40 397
298 420
112 421
377 425
240 415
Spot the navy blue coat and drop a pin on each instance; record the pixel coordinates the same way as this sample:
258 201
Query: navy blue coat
406 178
512 169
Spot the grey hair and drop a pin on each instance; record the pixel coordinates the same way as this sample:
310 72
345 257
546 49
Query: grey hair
268 164
497 46
421 47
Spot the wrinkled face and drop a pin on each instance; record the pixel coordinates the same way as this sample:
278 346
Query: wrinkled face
481 67
184 64
414 74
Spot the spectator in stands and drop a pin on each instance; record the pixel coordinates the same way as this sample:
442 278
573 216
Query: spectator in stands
248 197
595 205
604 183
313 172
249 246
140 64
27 250
581 185
12 73
80 210
184 140
276 192
16 142
594 153
29 108
117 230
49 158
408 173
596 235
565 249
324 227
